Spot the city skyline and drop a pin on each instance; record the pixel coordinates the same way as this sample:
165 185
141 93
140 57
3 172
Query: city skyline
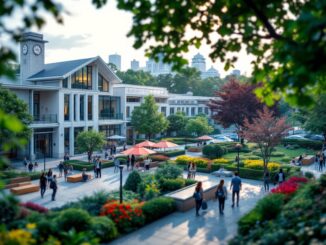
80 38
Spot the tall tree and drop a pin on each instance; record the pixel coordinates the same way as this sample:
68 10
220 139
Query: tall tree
316 117
235 102
12 105
198 126
147 119
267 131
90 141
137 77
285 38
177 123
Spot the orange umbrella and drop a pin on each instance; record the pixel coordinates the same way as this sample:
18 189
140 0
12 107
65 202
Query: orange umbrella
165 144
204 137
146 143
138 151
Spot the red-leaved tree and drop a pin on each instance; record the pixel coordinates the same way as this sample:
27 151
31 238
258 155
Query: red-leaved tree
267 131
235 101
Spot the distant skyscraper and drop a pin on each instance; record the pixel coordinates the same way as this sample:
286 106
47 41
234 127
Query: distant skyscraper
134 65
211 72
158 68
116 60
236 72
199 62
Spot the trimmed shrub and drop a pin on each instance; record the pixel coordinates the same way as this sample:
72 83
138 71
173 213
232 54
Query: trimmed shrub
7 175
171 184
249 221
151 191
157 208
159 158
173 153
221 160
315 145
9 209
103 228
190 182
309 175
214 151
73 218
270 206
168 171
258 164
133 181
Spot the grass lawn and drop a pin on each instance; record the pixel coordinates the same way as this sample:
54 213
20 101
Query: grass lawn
288 154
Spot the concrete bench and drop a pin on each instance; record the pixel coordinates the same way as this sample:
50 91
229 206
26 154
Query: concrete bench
77 178
21 190
184 197
19 179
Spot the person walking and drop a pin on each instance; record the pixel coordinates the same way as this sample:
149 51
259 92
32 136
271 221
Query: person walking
35 166
25 162
65 171
280 177
43 182
54 187
49 176
60 169
116 164
189 172
128 162
221 194
30 167
147 162
193 170
321 160
198 196
235 187
133 160
266 180
317 161
98 168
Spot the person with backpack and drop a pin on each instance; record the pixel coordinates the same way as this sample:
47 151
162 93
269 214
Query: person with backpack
54 186
280 177
43 182
235 187
198 196
221 195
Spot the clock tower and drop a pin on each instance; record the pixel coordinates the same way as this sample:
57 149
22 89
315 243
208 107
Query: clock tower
31 55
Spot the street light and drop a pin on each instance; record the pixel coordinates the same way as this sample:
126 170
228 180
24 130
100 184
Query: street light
238 147
121 168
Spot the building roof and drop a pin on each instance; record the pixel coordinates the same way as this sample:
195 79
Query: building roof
61 70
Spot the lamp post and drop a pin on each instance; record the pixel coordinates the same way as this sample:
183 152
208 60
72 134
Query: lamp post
238 147
121 168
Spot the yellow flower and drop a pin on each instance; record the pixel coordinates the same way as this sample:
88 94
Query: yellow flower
20 237
31 226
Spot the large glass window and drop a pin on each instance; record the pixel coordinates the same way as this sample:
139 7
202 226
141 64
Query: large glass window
67 140
75 106
103 84
66 107
127 111
90 108
77 130
65 83
171 110
163 110
82 107
82 79
109 130
133 99
109 107
193 111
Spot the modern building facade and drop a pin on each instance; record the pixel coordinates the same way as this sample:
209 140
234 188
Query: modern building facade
158 68
64 99
134 65
116 60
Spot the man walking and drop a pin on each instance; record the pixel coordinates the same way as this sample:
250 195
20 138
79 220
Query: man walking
98 168
54 186
235 187
43 182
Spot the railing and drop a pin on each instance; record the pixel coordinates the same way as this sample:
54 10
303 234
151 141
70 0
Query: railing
46 118
107 116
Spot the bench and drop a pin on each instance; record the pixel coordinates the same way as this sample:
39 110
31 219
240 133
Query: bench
77 178
21 190
19 179
307 160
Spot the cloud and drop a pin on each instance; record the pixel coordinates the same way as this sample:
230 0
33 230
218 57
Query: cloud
67 42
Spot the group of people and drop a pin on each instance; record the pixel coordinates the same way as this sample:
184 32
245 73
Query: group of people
29 165
320 161
220 194
48 180
65 169
191 169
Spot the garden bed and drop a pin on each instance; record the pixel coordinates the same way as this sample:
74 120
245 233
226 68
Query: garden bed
80 165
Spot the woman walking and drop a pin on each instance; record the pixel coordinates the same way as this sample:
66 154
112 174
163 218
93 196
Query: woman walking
266 179
198 196
221 194
43 181
49 176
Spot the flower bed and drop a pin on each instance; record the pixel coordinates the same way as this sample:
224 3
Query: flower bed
159 158
289 186
200 162
259 164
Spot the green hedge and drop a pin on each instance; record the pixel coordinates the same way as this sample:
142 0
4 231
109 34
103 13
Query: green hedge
6 176
315 145
158 207
80 165
214 151
173 153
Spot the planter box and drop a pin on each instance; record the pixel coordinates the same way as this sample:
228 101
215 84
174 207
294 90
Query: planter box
184 197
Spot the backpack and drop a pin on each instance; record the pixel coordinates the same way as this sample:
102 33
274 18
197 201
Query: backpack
52 184
197 196
220 193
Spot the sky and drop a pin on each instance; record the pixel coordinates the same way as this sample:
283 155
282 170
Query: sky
89 32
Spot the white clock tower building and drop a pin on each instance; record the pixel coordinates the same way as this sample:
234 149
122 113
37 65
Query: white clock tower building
31 55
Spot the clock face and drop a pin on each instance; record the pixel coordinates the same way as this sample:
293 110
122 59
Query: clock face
37 49
25 49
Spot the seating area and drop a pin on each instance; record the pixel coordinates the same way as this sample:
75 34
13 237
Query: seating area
77 178
21 190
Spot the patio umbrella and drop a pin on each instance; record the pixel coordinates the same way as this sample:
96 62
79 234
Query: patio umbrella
165 144
145 143
116 137
138 151
204 137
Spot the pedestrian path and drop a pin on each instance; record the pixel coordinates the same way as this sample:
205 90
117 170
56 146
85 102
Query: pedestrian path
208 228
313 168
